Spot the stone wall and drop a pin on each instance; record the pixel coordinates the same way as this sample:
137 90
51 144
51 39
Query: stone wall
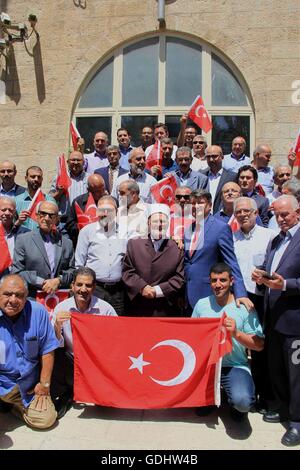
262 38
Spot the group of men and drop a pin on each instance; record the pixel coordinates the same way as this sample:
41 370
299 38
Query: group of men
126 260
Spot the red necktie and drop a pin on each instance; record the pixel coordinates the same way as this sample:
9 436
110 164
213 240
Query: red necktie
195 239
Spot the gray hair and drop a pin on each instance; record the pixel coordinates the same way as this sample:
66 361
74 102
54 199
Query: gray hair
166 140
288 198
132 186
184 149
281 165
49 202
244 199
8 199
108 199
259 149
113 147
12 276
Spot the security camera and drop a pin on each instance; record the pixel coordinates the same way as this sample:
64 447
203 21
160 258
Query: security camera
5 19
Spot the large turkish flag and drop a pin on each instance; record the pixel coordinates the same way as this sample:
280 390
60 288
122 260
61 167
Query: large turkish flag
142 363
5 259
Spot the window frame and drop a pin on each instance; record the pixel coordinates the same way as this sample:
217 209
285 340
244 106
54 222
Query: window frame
116 111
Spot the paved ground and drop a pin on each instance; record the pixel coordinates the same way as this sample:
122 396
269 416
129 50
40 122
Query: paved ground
96 428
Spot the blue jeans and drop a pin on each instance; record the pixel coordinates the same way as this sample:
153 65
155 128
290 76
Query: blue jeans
239 387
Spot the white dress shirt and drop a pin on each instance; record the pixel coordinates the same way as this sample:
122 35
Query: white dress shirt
101 251
96 307
144 181
213 183
249 248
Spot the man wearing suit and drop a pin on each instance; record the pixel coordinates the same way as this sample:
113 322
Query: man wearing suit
111 172
281 276
185 176
153 270
215 244
43 257
8 186
247 179
217 175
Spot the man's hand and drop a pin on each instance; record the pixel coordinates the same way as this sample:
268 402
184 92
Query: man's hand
291 158
246 302
156 170
230 325
80 145
257 276
148 292
61 317
276 283
23 216
179 242
51 285
183 121
57 194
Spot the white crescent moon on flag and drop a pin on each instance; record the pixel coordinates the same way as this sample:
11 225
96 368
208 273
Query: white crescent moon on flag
189 358
163 188
198 107
223 330
93 206
51 296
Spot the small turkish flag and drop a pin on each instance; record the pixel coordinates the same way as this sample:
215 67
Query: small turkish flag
260 190
37 198
233 224
155 156
5 258
89 215
296 149
178 226
63 179
51 300
199 115
166 363
164 191
74 135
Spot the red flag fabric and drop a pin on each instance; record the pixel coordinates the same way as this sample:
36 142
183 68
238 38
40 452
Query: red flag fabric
260 190
155 157
178 225
164 191
51 300
74 135
63 179
89 215
5 258
166 363
199 115
296 149
233 224
38 197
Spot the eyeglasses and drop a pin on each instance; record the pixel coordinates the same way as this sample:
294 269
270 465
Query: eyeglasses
51 215
186 197
198 142
212 157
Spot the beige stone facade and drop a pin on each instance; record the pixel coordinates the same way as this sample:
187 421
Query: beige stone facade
43 83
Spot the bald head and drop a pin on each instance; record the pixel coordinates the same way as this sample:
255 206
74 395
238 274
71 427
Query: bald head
7 212
214 157
8 173
76 163
96 186
13 293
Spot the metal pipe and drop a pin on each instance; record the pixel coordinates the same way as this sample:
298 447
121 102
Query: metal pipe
161 11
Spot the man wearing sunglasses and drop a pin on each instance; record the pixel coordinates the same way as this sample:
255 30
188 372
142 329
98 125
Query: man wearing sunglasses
43 257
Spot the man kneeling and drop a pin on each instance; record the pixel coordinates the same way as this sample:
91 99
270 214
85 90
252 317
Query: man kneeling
27 343
246 332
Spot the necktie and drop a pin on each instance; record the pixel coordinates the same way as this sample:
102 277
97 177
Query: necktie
110 179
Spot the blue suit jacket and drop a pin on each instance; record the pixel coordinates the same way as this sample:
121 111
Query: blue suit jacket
196 180
104 173
217 247
283 307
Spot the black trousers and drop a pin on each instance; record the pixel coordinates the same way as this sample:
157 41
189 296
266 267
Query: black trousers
259 363
62 381
114 295
284 365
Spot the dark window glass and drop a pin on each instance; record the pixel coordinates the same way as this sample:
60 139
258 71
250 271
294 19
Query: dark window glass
135 124
226 128
88 126
173 123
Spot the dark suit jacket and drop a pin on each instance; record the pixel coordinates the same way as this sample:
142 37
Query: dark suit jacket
31 260
226 177
19 190
217 247
104 173
283 307
143 266
263 204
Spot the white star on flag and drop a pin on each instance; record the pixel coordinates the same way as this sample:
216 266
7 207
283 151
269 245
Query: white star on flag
138 363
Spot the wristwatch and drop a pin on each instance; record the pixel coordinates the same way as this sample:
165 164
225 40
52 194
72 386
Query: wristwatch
45 384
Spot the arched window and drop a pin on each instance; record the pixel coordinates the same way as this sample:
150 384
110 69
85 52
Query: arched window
156 80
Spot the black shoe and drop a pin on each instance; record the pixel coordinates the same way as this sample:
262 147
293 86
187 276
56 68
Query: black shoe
5 407
62 405
272 417
291 437
237 416
205 410
261 407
